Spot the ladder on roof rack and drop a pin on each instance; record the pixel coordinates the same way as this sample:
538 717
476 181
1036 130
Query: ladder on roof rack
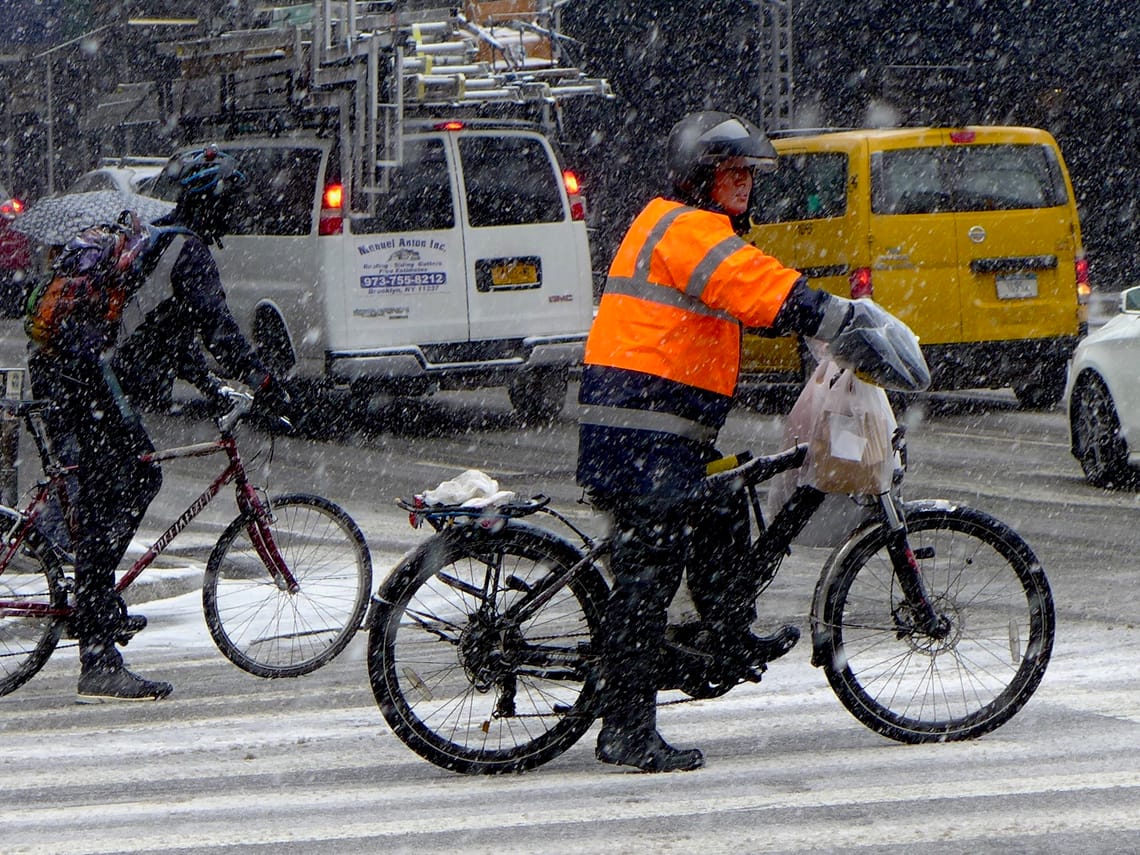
371 62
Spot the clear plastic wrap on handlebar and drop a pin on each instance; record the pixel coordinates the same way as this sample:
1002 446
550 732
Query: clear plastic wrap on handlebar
879 348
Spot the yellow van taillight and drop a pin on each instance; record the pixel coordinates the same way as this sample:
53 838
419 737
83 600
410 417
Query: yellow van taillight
861 285
574 191
332 210
1084 290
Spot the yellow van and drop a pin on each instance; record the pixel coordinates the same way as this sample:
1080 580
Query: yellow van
970 235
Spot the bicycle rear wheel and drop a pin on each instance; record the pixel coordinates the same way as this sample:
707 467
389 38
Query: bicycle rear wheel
908 684
479 657
34 579
267 630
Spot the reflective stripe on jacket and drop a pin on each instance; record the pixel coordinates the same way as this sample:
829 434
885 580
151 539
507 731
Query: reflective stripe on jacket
663 354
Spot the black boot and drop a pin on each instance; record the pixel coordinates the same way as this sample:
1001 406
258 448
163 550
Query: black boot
104 678
645 750
753 651
761 649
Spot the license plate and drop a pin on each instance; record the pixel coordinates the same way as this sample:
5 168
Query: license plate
513 273
1016 286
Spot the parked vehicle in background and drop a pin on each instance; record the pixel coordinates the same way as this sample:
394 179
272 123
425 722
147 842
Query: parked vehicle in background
129 174
15 257
1103 394
969 235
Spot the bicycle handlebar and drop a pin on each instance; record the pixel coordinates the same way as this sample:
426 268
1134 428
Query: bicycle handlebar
240 404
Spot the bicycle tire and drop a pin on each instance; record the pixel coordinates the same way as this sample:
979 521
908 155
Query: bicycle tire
909 686
267 630
32 576
448 664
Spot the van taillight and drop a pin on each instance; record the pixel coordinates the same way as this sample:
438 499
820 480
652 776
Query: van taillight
573 190
963 136
11 208
860 280
1084 290
332 210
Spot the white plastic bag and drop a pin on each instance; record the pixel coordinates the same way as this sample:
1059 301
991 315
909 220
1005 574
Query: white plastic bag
849 444
839 514
471 489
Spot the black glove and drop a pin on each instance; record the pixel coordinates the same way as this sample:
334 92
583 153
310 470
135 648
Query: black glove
271 400
875 344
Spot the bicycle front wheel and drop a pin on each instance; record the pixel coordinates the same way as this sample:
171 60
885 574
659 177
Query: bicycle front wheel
32 582
983 664
262 626
479 648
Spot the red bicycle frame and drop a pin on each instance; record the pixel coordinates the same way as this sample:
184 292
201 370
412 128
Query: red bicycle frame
247 500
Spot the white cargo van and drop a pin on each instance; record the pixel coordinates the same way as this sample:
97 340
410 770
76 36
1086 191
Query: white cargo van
471 267
381 250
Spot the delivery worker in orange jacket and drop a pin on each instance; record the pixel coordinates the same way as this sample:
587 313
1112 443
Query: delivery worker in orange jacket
660 371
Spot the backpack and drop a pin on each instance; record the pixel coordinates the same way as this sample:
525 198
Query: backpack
76 309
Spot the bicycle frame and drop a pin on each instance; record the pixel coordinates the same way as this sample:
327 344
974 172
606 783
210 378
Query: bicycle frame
767 548
247 498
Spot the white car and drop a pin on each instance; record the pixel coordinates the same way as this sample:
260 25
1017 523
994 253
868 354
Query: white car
129 174
1103 394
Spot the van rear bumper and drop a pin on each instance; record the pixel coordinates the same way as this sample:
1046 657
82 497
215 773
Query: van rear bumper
996 364
971 365
480 362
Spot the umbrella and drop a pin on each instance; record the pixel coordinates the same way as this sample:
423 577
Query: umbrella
57 219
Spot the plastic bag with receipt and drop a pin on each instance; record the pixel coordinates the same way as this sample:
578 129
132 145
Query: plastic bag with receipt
839 514
849 442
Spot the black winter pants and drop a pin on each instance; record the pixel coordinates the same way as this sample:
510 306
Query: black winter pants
655 541
92 418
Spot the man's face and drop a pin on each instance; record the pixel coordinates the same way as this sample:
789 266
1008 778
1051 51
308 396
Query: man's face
731 187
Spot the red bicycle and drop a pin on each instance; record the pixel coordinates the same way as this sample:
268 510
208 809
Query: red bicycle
284 591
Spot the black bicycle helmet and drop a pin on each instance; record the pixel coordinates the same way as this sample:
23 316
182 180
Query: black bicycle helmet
700 141
209 181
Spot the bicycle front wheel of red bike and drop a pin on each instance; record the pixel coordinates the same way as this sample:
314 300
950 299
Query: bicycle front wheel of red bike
262 626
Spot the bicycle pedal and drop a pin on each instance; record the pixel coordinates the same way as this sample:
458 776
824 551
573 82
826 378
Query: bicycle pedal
753 673
132 626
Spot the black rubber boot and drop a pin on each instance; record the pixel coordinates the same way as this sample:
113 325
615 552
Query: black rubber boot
757 650
645 750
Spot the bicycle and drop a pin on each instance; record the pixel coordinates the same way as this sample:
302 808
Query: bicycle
285 588
932 622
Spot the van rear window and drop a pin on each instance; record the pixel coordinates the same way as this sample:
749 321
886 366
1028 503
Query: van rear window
966 178
417 197
509 180
804 187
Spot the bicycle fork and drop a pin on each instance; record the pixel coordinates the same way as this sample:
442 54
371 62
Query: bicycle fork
264 544
924 617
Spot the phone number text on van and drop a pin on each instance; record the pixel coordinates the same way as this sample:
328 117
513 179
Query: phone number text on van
384 281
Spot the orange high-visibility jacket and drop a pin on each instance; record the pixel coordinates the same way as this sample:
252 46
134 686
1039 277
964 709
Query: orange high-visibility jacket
679 289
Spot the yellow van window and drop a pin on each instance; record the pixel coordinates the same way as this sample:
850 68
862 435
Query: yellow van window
967 178
804 187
